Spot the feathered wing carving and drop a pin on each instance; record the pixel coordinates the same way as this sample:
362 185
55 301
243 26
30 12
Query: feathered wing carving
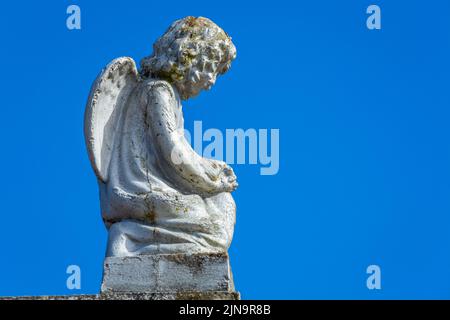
109 93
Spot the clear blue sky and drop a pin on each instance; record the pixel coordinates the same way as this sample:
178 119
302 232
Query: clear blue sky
364 142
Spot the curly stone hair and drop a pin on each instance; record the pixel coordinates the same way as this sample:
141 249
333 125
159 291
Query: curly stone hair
190 50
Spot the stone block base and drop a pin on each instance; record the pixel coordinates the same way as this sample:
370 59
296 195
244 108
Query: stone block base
175 276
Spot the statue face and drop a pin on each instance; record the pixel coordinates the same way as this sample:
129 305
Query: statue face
201 76
196 83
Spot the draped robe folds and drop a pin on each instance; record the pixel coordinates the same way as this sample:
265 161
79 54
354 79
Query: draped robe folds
151 203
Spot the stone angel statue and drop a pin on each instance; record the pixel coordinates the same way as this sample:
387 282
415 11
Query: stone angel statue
157 195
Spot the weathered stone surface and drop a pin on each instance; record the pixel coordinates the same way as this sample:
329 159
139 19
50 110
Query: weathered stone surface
172 296
168 273
138 296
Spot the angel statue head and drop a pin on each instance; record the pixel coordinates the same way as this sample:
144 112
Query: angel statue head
190 55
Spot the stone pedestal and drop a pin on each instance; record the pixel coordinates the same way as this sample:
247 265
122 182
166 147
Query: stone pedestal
161 277
169 276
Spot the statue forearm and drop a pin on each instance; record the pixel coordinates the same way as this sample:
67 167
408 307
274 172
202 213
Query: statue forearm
195 173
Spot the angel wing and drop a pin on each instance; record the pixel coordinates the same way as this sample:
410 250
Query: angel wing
109 93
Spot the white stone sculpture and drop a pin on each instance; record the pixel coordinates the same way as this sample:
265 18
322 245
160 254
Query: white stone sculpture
157 195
